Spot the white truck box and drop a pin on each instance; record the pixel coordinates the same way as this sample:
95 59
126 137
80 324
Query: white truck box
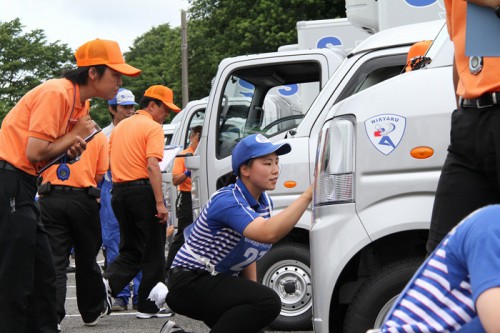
378 15
378 162
334 33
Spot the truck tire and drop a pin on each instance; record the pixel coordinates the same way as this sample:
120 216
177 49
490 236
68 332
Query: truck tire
285 269
375 297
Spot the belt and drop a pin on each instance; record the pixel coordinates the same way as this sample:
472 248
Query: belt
133 183
179 269
483 101
46 188
69 188
7 166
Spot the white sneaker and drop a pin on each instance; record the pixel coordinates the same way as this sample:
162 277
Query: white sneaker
108 298
171 327
163 313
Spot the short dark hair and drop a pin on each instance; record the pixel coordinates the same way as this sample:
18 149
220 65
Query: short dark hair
80 75
114 107
197 129
145 102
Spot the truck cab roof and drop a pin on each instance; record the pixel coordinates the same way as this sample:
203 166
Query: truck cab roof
403 35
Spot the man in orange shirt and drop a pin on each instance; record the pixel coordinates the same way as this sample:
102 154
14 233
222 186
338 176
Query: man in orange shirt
70 213
49 120
181 177
136 147
470 178
120 107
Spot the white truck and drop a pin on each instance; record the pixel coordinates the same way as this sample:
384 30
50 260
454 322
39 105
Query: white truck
379 158
286 267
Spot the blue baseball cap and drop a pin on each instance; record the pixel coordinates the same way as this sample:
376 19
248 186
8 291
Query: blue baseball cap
123 97
253 146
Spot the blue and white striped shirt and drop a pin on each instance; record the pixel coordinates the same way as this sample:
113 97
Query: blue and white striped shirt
217 234
442 294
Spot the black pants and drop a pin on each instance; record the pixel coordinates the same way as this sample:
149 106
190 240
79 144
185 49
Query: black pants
184 218
142 244
223 302
72 219
470 178
27 274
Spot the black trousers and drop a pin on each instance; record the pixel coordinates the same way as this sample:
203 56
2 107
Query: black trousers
223 302
72 219
27 274
142 245
470 178
184 218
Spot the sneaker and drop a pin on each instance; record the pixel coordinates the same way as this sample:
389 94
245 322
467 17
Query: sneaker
171 327
105 311
163 313
135 306
119 305
58 327
108 299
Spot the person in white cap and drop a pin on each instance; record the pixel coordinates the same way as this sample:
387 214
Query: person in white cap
213 277
120 107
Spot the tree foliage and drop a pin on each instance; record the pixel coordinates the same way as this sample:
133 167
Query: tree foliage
26 60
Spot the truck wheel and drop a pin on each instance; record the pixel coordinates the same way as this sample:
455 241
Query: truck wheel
286 270
375 297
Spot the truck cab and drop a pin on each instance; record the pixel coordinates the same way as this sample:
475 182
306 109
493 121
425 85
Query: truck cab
378 162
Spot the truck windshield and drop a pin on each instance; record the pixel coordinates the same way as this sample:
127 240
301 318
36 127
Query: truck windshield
269 101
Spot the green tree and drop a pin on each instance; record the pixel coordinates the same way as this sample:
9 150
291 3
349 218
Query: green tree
26 60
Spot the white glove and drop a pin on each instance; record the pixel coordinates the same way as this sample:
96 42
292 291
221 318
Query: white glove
158 294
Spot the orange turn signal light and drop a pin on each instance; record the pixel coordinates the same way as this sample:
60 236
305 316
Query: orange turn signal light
422 152
290 184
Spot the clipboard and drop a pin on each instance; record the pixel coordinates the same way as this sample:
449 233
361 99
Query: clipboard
58 158
169 153
482 36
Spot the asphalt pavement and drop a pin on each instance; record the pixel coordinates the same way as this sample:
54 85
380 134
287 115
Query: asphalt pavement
124 321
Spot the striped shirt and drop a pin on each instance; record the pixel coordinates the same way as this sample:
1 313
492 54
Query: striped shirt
217 233
442 294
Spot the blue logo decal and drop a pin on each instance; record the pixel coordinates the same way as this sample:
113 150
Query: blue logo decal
420 3
326 42
246 86
385 131
289 90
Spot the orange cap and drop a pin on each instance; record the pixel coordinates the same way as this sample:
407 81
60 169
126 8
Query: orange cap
104 52
164 94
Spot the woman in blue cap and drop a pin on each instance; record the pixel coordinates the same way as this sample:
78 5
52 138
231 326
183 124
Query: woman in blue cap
213 276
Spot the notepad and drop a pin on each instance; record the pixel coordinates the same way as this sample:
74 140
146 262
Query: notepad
482 32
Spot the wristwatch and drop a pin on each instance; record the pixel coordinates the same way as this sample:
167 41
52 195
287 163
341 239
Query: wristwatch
497 11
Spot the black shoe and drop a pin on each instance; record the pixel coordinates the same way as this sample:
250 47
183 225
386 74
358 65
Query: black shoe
70 269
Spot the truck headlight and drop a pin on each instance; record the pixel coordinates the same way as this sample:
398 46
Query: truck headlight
335 159
195 196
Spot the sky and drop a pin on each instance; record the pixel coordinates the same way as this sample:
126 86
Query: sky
75 22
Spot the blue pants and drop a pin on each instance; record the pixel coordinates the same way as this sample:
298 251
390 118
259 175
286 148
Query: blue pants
111 238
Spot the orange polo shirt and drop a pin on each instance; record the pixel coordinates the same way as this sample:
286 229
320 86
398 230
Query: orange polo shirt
469 85
179 167
42 113
93 161
131 143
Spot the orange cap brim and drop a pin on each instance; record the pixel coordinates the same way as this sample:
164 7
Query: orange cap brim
173 107
125 69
